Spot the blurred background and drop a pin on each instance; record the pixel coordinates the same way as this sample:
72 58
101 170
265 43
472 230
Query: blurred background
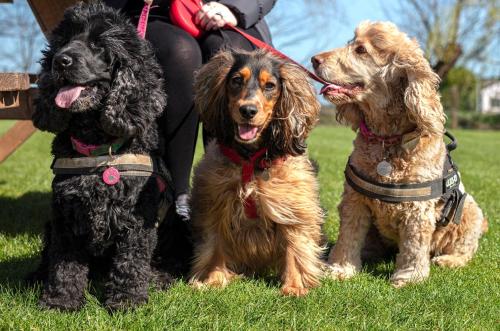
461 39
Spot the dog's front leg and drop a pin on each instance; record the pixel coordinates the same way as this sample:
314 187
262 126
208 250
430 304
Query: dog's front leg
355 220
67 272
210 268
301 268
413 259
130 272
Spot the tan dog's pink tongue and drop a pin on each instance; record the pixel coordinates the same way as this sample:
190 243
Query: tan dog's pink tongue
247 132
67 95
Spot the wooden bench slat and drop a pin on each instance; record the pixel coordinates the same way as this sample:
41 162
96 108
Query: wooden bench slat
49 12
14 81
17 105
15 137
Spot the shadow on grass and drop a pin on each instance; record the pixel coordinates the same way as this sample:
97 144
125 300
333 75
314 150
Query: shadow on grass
13 273
26 214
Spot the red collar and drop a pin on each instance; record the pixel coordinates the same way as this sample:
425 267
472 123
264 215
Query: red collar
371 137
257 160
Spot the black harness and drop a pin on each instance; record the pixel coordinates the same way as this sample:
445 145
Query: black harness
447 188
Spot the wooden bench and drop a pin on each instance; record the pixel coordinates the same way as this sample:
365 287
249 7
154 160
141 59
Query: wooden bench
16 91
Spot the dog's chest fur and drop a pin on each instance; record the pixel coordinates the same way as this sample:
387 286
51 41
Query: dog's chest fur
218 198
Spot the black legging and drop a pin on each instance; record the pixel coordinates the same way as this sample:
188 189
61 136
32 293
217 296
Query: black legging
180 55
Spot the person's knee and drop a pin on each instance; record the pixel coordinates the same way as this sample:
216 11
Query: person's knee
173 43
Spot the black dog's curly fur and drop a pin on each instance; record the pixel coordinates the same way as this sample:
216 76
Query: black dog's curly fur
123 98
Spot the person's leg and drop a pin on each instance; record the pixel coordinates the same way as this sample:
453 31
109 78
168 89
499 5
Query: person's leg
179 56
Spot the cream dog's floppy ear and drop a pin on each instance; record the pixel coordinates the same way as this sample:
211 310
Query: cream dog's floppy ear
421 96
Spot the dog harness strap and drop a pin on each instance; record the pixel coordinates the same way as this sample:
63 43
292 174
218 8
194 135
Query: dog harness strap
247 171
127 165
447 188
97 150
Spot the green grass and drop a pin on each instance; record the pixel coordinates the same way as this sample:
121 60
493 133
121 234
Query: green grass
463 299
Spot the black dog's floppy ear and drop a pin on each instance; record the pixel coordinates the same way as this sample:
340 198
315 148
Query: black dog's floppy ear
47 116
210 96
296 112
136 98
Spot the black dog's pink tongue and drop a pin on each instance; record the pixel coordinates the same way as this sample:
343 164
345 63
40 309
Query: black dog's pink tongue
67 95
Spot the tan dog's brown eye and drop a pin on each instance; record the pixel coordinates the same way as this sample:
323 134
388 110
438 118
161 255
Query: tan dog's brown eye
269 86
360 49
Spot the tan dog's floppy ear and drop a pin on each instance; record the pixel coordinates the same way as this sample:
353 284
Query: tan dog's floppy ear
210 98
296 111
421 97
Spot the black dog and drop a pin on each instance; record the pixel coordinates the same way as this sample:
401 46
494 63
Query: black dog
100 85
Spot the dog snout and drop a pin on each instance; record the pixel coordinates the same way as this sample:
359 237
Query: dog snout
63 60
316 61
248 111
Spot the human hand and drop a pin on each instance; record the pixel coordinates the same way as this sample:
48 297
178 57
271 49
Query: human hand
214 15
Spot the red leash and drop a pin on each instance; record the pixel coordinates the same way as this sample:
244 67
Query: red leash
260 44
143 20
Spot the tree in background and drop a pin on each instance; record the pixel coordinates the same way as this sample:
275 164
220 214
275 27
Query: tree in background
20 37
295 23
453 32
466 82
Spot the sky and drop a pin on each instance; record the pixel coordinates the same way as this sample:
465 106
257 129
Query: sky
346 15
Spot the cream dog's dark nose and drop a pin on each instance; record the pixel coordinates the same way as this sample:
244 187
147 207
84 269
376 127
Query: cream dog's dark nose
316 61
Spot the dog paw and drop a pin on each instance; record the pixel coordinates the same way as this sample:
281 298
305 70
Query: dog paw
216 278
450 261
408 276
60 303
340 272
294 291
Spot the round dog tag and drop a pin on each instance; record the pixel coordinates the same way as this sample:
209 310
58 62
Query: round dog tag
111 176
265 175
384 168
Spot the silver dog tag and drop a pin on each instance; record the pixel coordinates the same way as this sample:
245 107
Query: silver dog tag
265 175
384 168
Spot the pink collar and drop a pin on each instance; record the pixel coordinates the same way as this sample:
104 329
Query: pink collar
371 137
96 150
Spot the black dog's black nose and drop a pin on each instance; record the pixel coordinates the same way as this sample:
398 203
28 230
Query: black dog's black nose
64 60
248 111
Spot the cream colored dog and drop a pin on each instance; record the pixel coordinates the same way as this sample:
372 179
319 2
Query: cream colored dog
382 81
